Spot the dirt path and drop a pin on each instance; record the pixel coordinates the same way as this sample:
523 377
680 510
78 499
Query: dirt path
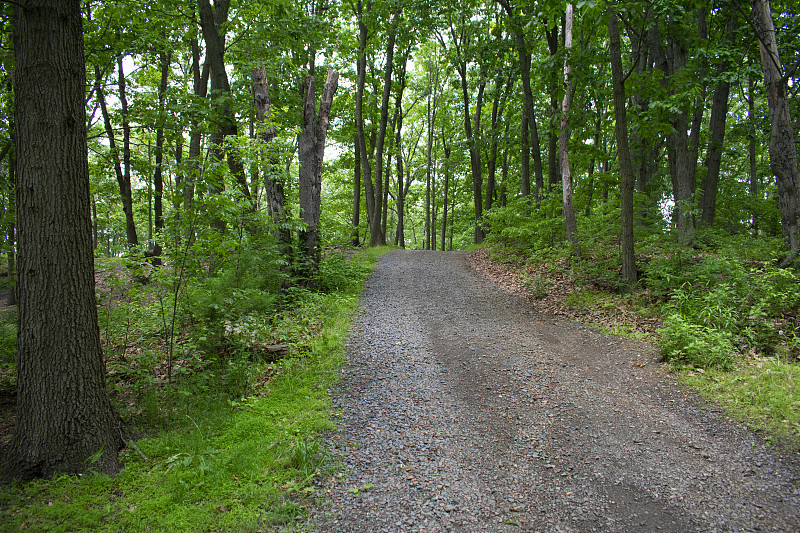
462 409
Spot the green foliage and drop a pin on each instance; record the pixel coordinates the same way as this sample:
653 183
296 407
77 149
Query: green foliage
689 344
339 273
232 445
765 394
8 337
720 301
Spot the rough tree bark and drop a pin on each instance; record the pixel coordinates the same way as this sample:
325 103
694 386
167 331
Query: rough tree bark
782 149
65 421
311 148
356 221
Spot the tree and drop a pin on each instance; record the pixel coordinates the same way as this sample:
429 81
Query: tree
311 148
625 165
782 149
563 138
65 421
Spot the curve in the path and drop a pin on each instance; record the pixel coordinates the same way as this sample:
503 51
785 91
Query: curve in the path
464 410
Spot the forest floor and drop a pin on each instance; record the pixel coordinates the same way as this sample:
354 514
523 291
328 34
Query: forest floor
464 407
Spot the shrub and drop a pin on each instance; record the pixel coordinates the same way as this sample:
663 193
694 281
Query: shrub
687 344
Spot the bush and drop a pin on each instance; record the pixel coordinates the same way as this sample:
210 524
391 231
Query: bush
687 344
8 341
338 273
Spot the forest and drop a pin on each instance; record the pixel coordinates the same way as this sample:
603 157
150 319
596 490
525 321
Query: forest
248 161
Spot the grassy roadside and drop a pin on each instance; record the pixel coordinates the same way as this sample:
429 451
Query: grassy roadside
734 354
243 463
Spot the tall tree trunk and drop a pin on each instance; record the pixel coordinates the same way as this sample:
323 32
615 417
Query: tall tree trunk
200 77
529 118
446 148
782 149
356 221
553 170
158 180
311 149
372 192
133 239
400 239
682 148
211 21
433 86
625 166
64 416
498 106
751 150
273 179
123 179
563 139
12 229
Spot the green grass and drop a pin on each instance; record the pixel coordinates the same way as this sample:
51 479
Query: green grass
765 395
241 463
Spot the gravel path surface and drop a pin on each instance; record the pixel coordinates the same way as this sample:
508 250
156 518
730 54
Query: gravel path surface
462 409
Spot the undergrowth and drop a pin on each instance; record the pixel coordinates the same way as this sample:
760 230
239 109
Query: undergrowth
229 433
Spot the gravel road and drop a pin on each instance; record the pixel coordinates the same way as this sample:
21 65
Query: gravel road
462 409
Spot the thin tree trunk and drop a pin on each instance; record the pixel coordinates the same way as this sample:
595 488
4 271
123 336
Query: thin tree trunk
446 149
123 179
158 180
529 118
356 193
200 77
273 181
751 150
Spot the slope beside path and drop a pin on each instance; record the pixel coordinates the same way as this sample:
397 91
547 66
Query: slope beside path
463 409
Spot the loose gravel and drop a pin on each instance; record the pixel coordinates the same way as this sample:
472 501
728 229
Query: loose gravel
463 409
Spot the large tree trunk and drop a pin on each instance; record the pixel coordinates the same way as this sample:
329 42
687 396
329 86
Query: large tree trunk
311 149
782 149
65 421
563 139
625 166
12 228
